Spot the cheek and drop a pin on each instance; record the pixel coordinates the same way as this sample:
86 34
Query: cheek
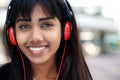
21 38
55 39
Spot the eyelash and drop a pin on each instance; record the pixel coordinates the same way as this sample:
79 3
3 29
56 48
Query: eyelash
46 25
24 27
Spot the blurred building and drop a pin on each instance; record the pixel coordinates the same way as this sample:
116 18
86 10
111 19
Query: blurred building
99 25
3 11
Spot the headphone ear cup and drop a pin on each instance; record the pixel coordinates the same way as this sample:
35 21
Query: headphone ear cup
67 31
11 36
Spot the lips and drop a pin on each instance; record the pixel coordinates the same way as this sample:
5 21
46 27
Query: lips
36 50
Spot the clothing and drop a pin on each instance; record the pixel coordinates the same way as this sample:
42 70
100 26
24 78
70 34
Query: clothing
4 72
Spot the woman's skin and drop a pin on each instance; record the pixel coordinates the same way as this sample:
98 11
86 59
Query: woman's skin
39 38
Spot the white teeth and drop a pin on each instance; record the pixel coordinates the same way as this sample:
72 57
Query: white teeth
36 49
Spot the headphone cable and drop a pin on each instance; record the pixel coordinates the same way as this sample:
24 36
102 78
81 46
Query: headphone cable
23 64
61 63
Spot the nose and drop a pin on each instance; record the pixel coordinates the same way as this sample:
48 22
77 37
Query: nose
36 35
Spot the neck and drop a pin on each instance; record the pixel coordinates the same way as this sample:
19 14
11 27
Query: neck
44 71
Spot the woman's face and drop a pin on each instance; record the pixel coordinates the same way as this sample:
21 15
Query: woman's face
39 37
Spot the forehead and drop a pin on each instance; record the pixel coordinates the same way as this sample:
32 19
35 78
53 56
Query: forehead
37 14
37 11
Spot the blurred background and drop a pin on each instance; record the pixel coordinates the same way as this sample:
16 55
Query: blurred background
99 29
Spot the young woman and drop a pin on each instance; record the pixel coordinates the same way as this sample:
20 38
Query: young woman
42 40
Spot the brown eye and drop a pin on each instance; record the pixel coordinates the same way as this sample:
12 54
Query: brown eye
48 25
24 27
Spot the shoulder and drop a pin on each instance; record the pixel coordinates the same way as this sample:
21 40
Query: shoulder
4 71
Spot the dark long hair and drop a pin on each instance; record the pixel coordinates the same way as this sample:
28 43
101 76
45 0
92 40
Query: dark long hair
74 66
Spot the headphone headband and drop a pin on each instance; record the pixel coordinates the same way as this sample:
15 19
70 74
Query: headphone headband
69 12
8 12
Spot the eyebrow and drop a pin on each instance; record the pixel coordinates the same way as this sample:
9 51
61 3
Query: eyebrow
47 18
29 20
26 20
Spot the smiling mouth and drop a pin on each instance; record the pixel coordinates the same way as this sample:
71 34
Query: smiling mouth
37 50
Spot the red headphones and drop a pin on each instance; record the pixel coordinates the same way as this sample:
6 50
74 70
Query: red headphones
11 35
66 33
